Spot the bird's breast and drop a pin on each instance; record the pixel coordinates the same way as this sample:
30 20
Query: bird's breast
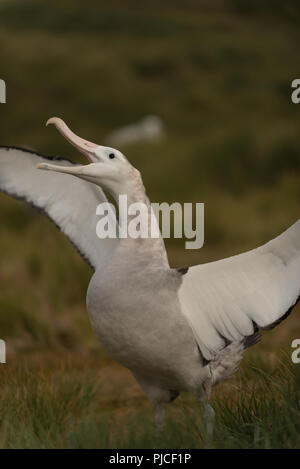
136 317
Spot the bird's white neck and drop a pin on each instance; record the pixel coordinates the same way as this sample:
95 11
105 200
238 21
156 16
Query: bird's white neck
138 201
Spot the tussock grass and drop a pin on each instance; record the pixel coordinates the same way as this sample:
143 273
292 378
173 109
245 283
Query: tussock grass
65 405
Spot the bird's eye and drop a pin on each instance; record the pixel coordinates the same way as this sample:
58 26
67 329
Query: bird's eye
112 156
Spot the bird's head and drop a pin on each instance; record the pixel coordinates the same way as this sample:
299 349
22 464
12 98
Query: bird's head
108 167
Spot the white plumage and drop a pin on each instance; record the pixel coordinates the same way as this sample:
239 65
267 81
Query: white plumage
150 129
233 297
69 202
175 329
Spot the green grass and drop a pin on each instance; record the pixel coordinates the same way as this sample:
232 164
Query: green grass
62 406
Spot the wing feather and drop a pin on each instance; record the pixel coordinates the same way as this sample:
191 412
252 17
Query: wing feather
232 298
68 201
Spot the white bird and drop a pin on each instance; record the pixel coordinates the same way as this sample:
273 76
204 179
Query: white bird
175 329
150 128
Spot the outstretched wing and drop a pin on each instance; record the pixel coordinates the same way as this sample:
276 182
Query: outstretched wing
233 298
68 201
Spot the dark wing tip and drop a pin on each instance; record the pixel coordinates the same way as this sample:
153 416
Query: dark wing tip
282 318
250 340
183 270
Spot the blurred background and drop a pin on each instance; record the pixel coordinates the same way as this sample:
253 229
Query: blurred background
218 75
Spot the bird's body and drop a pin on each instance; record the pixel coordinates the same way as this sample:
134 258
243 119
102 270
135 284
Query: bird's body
175 329
135 328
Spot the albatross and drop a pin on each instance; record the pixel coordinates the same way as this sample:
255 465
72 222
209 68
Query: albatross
174 329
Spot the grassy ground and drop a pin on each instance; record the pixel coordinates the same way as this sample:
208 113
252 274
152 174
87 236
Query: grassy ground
72 402
218 73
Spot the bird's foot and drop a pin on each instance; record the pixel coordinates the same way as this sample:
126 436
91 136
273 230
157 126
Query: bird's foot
160 417
209 416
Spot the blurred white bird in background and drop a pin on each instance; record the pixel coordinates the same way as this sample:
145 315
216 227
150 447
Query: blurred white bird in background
149 129
175 329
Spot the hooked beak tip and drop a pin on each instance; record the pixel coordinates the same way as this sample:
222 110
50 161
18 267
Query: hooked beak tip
54 120
84 146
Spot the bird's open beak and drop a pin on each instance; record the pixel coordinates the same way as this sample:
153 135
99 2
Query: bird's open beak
83 146
75 170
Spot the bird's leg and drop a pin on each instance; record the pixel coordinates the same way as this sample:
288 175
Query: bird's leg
209 413
209 416
158 397
160 416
